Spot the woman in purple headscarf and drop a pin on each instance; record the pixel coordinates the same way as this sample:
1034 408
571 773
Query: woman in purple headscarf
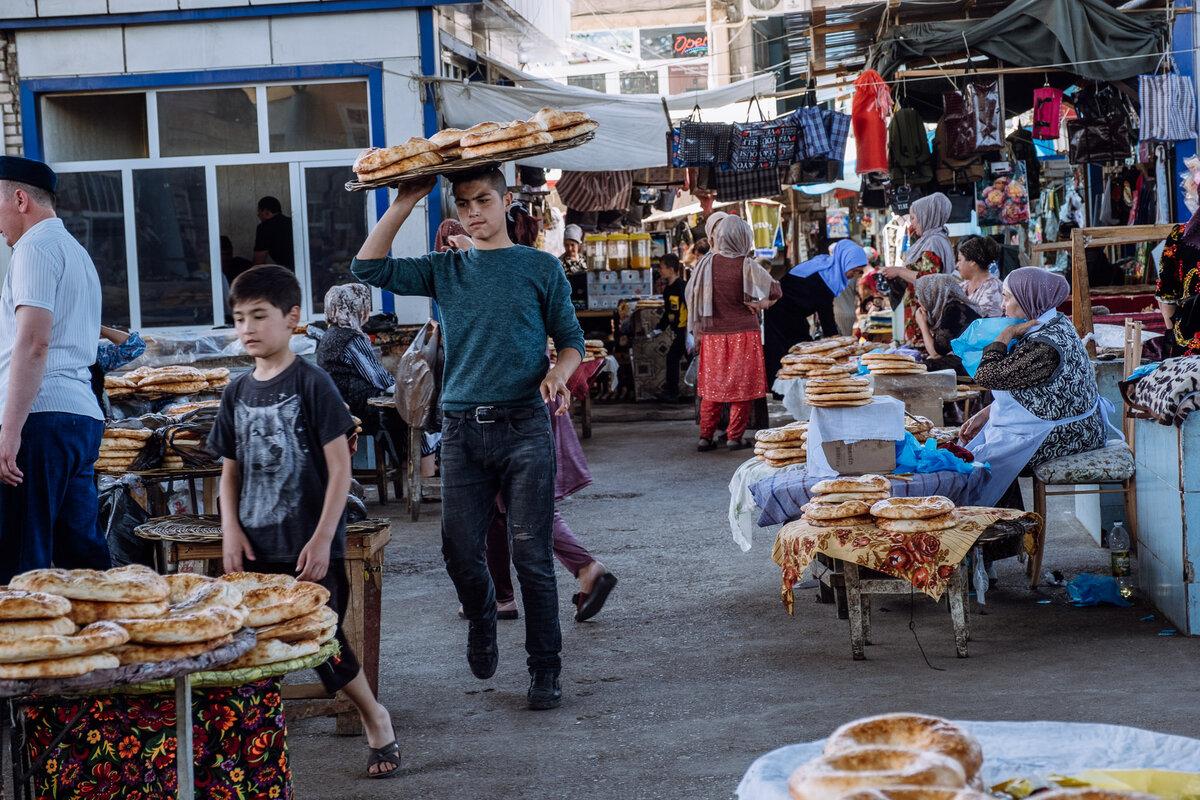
1047 403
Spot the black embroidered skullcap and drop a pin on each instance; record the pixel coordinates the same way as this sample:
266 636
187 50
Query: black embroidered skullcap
27 171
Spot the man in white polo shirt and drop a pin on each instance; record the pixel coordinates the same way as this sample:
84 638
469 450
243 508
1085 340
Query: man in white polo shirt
50 422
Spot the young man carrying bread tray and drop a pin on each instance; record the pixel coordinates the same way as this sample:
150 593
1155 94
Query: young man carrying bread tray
499 302
282 430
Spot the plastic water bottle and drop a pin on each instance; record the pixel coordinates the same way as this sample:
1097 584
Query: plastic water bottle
1118 553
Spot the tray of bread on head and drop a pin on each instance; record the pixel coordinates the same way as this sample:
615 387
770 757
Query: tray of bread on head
454 150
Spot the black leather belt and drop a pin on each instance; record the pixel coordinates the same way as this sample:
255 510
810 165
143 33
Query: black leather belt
486 415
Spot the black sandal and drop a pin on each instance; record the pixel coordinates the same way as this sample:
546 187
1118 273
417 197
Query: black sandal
388 754
706 446
591 605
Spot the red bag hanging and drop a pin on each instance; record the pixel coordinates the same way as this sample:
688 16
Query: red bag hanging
869 118
1047 111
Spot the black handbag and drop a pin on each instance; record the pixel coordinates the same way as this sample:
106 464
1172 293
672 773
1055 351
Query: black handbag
962 203
747 184
1099 141
701 144
900 198
873 192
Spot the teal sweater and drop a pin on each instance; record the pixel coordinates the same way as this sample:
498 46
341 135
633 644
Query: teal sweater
497 307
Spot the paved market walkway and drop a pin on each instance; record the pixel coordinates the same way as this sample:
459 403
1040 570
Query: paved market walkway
694 670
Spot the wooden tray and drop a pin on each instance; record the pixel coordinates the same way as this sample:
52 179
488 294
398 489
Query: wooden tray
469 164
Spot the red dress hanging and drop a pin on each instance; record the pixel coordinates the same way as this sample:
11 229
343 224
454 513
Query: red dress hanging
869 118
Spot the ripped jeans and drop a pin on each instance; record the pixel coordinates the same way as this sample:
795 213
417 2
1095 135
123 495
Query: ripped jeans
514 457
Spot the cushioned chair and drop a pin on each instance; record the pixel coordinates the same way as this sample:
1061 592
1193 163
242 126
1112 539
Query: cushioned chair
1109 465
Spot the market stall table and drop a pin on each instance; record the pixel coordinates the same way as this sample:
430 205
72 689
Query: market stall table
389 416
193 544
201 483
1011 750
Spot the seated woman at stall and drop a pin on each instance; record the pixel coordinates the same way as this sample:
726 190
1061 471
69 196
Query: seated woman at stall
976 255
810 288
943 313
1178 289
1047 404
929 253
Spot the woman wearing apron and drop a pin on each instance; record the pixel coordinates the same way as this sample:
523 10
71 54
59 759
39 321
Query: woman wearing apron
1047 403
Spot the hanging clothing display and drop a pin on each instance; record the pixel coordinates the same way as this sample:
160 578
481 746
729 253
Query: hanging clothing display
1168 107
595 191
872 107
908 149
1047 112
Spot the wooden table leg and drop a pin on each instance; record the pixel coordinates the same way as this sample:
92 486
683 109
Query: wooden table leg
958 612
210 495
854 601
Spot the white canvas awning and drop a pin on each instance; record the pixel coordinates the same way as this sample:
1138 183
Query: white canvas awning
633 128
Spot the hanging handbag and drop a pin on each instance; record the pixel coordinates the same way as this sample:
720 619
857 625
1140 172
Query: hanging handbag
873 192
750 184
814 140
1168 107
1099 141
901 198
764 144
1047 112
702 143
957 127
962 203
908 148
983 98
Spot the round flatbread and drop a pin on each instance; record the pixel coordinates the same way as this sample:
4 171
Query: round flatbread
272 605
931 525
177 388
507 145
562 134
786 453
208 595
820 402
552 118
59 667
300 628
128 433
94 638
833 370
21 628
153 654
840 379
447 137
196 626
19 604
510 131
786 434
917 370
819 346
853 483
481 127
844 510
855 390
378 158
85 612
814 399
429 159
805 359
913 507
257 580
169 375
839 523
888 357
272 651
844 497
129 584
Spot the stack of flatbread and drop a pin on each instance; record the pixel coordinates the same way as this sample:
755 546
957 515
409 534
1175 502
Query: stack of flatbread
191 616
378 163
918 426
843 501
155 382
892 364
782 447
914 514
120 446
291 617
495 138
944 435
181 409
813 358
837 391
564 124
594 349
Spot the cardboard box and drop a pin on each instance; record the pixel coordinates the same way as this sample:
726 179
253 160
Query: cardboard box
859 458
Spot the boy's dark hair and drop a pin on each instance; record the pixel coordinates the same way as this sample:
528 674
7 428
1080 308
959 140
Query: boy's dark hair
671 262
271 204
270 282
983 250
492 176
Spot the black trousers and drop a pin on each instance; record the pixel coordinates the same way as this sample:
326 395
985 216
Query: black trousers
341 669
674 359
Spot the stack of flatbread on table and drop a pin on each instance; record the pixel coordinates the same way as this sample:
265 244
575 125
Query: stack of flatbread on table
290 617
914 514
190 616
837 390
594 349
182 409
155 382
842 501
119 447
782 447
380 163
892 364
808 358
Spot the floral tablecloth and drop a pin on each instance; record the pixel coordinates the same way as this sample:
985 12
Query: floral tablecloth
123 746
926 560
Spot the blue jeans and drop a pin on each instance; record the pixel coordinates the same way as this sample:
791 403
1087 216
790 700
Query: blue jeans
513 458
51 517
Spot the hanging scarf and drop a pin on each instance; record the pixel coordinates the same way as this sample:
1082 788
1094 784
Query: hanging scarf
733 238
845 256
931 214
934 292
348 305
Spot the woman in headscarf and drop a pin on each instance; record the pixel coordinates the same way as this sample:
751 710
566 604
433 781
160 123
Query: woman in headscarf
810 288
345 352
1047 404
1178 289
943 313
976 255
727 290
929 253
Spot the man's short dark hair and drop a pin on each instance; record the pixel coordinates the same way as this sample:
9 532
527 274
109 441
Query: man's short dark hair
271 204
271 283
671 262
43 197
492 176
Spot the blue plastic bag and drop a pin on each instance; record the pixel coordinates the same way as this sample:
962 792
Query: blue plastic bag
1095 590
978 335
911 456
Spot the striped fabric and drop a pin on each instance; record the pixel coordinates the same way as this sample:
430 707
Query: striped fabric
811 122
595 191
361 356
1168 107
837 129
51 270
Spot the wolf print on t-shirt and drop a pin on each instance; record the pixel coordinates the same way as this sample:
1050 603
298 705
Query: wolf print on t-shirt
272 458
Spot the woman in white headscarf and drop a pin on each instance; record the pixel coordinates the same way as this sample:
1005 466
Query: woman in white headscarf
727 290
345 352
929 253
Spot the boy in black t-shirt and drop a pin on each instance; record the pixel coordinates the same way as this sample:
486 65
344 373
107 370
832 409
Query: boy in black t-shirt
674 319
282 431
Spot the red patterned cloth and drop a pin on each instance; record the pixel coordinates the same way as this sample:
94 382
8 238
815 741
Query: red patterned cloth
732 368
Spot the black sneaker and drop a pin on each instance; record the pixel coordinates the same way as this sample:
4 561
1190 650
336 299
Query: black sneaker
482 653
544 690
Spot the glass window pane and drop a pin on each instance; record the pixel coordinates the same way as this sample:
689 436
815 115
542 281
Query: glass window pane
337 226
643 82
597 83
206 122
687 78
174 267
92 208
318 116
88 127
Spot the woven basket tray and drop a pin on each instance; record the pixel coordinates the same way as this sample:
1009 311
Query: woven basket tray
469 164
166 474
239 677
181 528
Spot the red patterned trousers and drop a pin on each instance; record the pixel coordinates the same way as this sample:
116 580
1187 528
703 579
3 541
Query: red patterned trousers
710 418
